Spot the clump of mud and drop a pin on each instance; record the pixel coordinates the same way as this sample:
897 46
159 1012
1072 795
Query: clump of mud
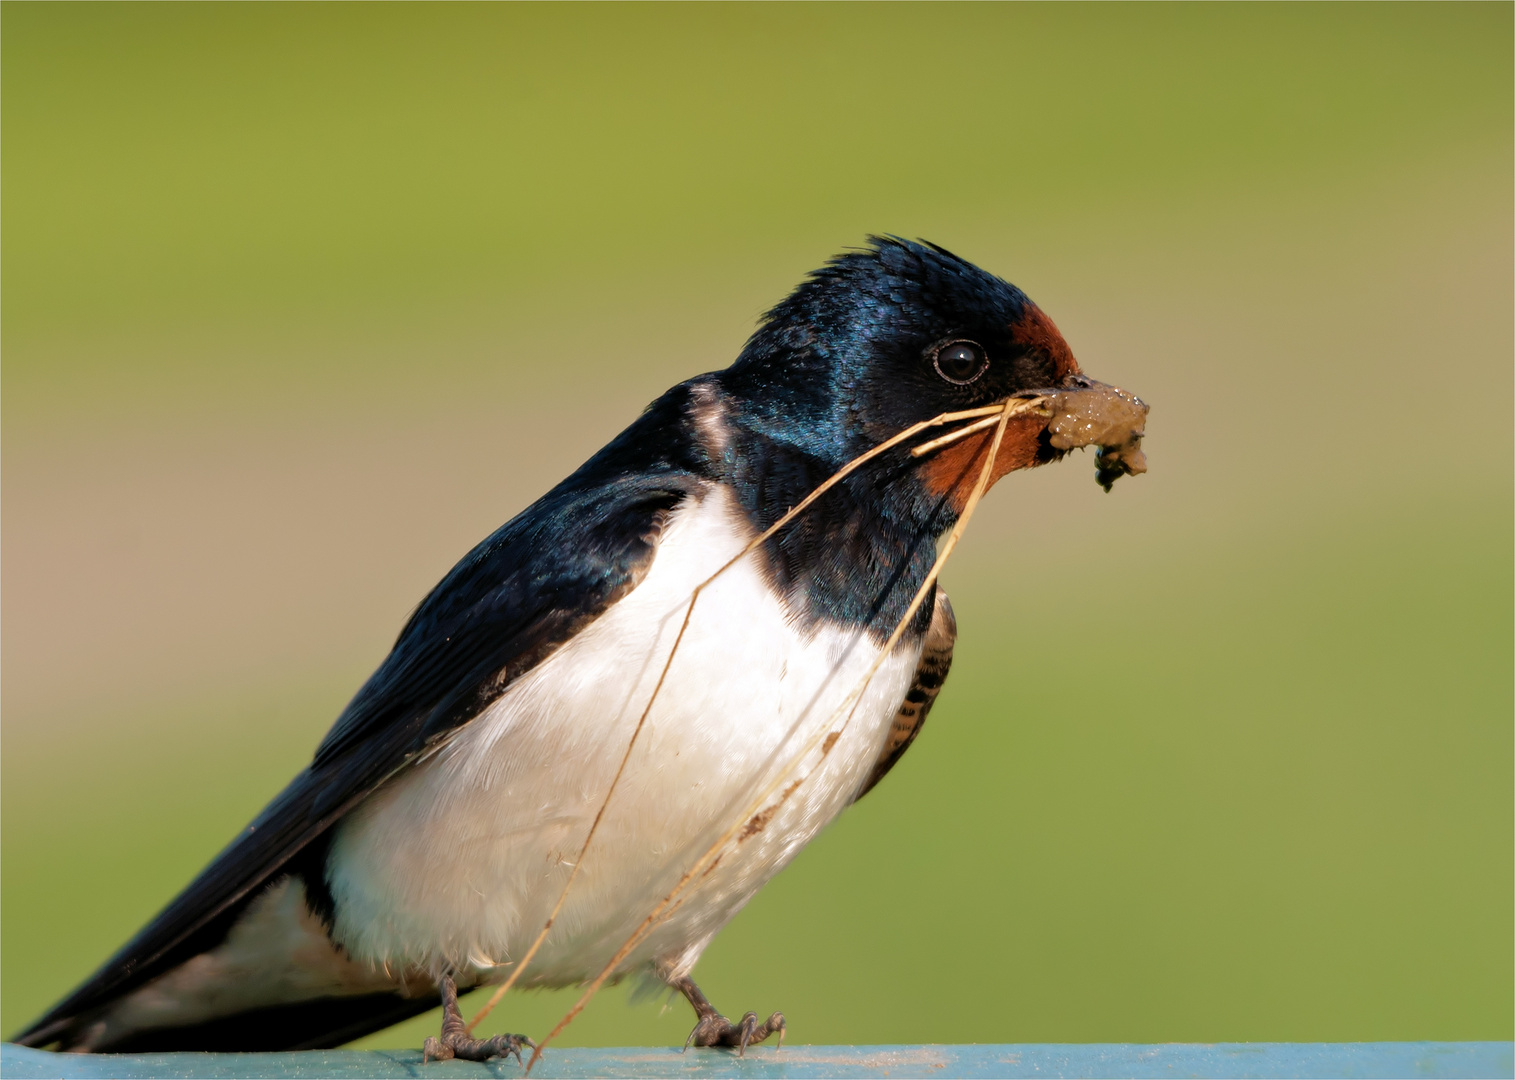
1091 413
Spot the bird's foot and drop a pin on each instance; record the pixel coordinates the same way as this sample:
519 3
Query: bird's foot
457 1043
713 1029
469 1049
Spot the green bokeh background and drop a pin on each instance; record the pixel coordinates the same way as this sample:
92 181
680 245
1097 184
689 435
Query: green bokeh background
301 300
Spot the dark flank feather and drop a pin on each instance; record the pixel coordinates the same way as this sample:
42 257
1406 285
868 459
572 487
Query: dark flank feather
936 661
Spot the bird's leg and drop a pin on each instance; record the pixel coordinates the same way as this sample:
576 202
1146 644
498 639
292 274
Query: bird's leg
455 1040
713 1029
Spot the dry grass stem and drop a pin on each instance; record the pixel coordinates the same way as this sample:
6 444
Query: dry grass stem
504 987
953 436
1021 406
996 415
831 481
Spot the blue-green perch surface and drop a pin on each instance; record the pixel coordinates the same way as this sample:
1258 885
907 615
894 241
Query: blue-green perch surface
1384 1059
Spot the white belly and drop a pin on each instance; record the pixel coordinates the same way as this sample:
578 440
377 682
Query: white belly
459 862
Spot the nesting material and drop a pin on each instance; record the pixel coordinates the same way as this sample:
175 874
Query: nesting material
991 415
1105 417
1083 412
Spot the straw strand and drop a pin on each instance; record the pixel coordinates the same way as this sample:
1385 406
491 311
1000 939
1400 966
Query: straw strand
795 511
1000 416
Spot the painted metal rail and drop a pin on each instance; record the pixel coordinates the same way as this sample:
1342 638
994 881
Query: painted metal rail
1168 1060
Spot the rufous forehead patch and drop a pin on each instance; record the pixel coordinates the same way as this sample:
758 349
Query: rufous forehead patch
1035 330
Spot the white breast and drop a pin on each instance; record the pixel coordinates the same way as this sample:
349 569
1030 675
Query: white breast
459 861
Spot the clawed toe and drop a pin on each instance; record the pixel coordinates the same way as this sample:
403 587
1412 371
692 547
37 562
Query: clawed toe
713 1029
449 1046
457 1043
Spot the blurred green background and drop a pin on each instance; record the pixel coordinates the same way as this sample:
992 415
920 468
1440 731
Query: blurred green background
300 301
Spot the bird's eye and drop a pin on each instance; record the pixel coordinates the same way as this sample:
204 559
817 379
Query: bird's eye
961 362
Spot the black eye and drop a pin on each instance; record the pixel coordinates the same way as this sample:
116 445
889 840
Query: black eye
961 362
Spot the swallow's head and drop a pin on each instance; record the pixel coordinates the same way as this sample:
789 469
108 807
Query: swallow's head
894 334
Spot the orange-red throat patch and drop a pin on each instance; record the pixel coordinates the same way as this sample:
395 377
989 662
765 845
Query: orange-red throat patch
952 470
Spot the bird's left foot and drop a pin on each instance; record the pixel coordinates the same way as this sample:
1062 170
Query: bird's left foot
457 1043
713 1029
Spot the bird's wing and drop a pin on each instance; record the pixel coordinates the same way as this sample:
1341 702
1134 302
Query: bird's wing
514 599
930 673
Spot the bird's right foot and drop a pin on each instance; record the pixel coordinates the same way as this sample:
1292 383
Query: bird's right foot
713 1029
457 1043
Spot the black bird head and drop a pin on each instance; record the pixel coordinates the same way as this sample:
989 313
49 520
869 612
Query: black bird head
889 335
875 341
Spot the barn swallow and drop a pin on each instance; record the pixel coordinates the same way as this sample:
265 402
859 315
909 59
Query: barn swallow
432 833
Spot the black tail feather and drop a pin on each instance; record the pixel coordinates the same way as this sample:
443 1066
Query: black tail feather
319 1024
